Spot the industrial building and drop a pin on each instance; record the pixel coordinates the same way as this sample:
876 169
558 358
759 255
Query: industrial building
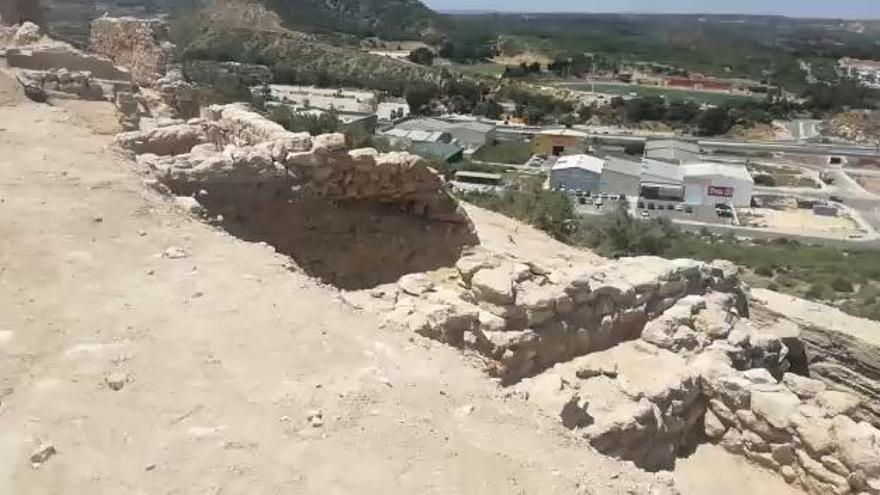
577 173
433 145
470 134
559 142
662 181
621 176
672 151
713 183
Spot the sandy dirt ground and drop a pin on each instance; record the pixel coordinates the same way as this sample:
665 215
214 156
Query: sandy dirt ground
711 470
871 183
226 352
800 222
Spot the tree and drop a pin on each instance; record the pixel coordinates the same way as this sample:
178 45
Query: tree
841 284
421 56
714 122
294 121
419 97
765 180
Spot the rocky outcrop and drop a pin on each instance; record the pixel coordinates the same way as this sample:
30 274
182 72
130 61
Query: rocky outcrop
142 46
861 126
840 350
650 405
634 401
24 34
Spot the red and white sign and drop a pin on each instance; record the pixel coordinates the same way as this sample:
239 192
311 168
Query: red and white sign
724 192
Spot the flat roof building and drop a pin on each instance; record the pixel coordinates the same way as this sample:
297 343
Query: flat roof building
340 100
559 142
661 180
672 151
577 173
713 183
470 134
621 176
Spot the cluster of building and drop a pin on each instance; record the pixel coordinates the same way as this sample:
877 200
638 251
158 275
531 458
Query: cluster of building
441 140
865 71
669 171
360 112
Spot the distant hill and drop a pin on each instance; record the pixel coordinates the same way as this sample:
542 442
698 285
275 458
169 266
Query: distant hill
388 19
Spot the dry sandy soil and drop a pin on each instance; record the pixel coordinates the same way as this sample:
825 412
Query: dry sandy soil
228 350
800 222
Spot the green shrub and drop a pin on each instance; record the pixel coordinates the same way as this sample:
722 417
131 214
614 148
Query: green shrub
841 284
820 291
764 271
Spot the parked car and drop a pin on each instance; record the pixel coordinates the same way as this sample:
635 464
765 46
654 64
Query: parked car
645 214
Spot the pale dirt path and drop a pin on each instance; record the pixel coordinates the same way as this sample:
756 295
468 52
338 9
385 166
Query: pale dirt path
227 352
714 471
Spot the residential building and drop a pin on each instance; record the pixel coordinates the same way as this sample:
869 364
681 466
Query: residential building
392 111
340 100
577 173
866 71
420 135
559 142
621 176
661 180
714 183
470 134
672 151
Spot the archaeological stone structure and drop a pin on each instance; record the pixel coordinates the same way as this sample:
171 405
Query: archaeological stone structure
352 218
643 357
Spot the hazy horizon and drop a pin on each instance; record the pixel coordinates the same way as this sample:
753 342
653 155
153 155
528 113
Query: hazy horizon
844 9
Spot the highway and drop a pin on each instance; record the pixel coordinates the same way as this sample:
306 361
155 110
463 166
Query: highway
715 144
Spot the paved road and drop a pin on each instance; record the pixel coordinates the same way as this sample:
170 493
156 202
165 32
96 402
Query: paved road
802 148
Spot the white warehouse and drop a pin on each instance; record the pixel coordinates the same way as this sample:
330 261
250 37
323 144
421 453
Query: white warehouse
713 183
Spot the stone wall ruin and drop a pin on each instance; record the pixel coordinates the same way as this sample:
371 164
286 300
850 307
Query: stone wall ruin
644 358
355 218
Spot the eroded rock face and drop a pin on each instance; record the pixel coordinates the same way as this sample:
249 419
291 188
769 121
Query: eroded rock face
841 351
141 45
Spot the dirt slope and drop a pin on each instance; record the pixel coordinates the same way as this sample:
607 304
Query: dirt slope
226 353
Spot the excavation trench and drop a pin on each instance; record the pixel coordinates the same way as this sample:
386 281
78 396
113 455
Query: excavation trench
351 244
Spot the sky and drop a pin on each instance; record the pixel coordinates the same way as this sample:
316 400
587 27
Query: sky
849 9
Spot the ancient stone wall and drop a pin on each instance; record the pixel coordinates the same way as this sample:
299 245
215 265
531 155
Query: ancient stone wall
140 45
525 318
77 84
65 57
